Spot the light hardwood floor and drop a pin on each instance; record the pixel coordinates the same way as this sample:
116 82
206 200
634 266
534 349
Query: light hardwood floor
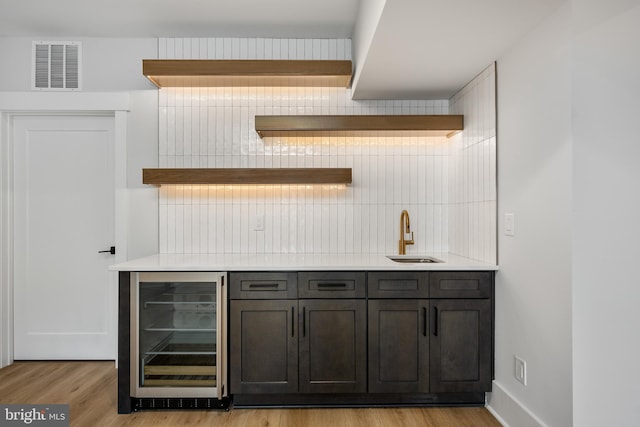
90 390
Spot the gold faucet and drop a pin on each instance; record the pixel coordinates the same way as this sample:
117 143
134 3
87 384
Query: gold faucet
404 229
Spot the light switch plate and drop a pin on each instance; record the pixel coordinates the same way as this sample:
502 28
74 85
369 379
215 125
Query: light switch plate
509 224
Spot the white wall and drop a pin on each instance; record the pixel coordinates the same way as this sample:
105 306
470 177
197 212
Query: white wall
533 286
567 291
606 213
107 64
110 65
369 14
142 152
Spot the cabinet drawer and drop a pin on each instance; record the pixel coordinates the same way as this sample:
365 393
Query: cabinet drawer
263 285
330 284
398 284
462 284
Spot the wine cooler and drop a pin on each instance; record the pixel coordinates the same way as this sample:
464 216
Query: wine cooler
178 335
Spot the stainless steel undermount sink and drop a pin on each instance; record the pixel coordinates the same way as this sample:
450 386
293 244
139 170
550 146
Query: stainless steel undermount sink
413 259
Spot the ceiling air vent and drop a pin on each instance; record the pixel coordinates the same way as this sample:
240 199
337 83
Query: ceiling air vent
56 65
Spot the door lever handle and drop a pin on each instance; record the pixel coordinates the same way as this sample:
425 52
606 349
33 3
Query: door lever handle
111 250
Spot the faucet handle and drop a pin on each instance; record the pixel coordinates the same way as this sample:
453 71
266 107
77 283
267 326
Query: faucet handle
409 242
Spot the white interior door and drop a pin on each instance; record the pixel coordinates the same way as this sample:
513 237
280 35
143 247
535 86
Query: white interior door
64 295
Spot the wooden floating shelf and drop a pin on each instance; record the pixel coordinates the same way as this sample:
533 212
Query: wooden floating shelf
247 176
218 72
431 125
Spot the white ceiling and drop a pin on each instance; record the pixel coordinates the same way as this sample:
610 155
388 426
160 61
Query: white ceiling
431 48
420 48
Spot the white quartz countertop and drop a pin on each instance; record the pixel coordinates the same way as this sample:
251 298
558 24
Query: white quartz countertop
295 262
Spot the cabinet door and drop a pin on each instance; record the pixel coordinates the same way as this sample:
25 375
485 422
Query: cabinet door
333 354
461 346
398 346
263 346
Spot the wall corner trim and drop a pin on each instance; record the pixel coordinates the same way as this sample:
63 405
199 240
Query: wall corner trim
509 411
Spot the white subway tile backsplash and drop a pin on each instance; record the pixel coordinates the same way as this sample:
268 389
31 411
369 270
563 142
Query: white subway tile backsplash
472 171
447 185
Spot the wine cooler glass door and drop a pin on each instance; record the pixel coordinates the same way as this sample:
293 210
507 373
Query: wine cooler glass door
179 335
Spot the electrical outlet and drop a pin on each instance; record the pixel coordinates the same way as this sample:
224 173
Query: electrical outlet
520 370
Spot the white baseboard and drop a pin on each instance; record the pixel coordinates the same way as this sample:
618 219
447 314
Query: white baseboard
509 411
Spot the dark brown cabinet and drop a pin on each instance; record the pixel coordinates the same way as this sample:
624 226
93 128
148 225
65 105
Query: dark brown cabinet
332 342
394 337
461 345
332 332
430 332
263 346
398 346
311 345
263 338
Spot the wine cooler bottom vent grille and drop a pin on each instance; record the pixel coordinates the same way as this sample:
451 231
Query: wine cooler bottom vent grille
180 403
